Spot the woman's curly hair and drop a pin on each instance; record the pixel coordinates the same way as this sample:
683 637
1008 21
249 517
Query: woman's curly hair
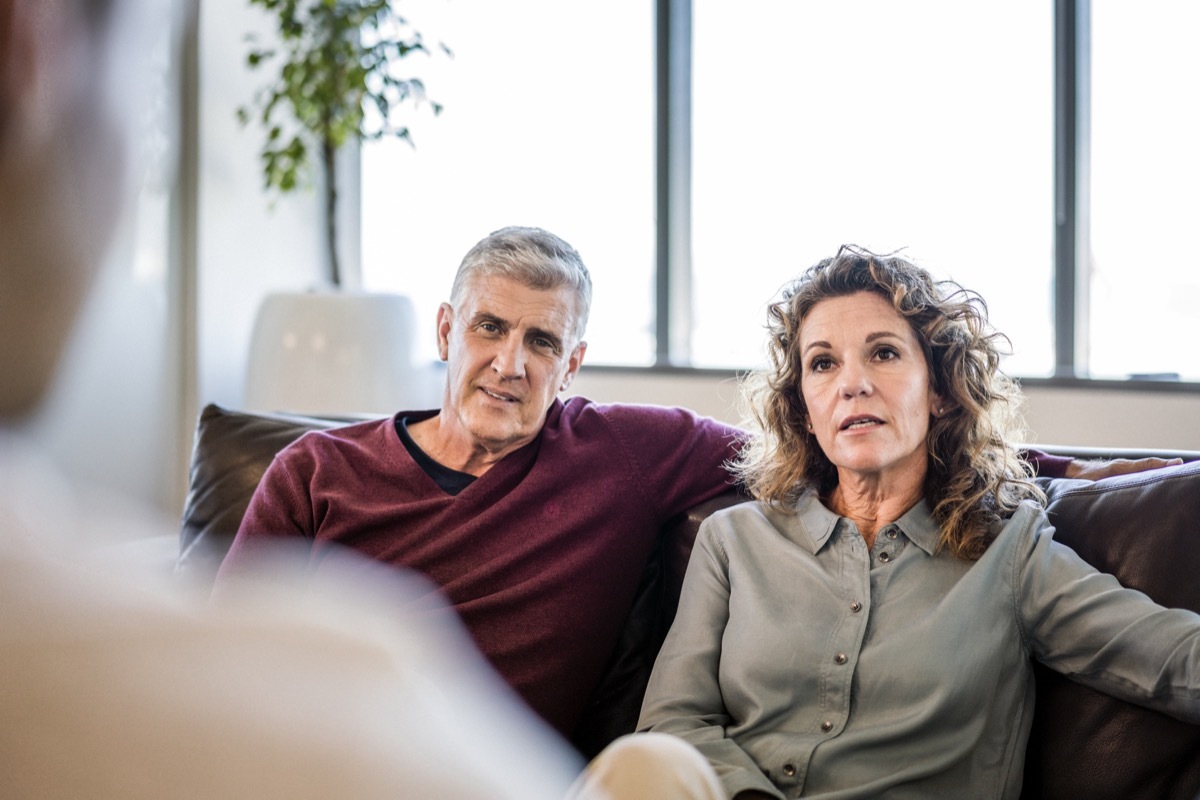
975 477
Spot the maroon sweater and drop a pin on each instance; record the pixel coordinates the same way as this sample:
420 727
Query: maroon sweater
541 555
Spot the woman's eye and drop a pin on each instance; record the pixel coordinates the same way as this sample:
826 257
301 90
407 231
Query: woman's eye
886 353
820 364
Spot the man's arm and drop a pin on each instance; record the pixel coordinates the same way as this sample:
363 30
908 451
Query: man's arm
1095 470
277 519
1050 466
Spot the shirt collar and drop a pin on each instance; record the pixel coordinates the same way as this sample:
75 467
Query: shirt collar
818 523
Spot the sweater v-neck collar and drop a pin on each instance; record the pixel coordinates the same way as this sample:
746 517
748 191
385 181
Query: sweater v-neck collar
517 461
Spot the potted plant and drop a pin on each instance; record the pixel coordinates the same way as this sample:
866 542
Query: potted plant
337 83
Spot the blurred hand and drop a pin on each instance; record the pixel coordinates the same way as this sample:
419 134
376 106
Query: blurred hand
1095 470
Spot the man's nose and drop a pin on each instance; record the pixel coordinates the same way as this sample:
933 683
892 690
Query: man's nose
509 361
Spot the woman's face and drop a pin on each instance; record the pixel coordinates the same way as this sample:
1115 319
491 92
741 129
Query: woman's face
865 382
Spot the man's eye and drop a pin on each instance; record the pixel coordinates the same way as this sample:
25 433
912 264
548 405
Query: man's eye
489 327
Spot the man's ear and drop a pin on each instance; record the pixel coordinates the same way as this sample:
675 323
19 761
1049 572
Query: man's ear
445 318
574 362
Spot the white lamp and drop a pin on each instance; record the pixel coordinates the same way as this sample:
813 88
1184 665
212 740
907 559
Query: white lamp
333 353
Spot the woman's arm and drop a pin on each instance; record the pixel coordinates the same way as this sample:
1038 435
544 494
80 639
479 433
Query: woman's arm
1085 625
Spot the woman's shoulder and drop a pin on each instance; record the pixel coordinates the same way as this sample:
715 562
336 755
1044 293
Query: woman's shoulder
1023 529
754 524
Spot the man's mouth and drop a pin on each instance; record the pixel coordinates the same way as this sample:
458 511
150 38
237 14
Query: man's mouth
502 397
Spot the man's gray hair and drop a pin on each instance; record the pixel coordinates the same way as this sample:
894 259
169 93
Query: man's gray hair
533 257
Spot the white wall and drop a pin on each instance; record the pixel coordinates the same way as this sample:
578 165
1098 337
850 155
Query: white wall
247 245
1081 417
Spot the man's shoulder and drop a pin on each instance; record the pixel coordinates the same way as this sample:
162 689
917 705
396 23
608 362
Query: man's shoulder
357 440
580 410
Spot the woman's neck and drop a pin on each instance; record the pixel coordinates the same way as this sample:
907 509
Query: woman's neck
871 503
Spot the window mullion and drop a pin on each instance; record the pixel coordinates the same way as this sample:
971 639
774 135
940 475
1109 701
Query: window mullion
1072 245
673 182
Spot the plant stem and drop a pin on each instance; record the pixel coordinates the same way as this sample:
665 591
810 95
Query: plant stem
328 154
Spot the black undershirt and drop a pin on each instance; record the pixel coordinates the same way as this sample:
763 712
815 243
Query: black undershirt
451 481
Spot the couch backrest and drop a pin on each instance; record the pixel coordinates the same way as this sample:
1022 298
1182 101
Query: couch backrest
1143 528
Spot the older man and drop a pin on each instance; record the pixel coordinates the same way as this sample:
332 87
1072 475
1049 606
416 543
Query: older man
535 516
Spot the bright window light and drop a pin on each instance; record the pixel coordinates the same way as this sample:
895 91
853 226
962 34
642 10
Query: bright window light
926 126
548 121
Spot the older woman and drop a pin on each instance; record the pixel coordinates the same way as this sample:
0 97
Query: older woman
866 628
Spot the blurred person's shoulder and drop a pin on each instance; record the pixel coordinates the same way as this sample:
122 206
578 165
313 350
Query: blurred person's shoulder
356 681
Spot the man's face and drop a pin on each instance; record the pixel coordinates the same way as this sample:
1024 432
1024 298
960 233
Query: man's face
510 349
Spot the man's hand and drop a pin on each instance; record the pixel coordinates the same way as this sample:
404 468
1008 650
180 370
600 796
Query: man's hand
1095 470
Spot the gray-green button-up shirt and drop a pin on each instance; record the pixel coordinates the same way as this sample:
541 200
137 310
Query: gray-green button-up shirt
802 664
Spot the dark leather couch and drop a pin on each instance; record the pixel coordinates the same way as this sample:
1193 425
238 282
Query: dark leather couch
1143 528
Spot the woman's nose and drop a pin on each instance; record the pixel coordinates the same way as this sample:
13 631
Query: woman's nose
854 381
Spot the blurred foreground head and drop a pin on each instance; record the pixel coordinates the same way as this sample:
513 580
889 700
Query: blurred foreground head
64 136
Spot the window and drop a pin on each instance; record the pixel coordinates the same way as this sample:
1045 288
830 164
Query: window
925 127
1145 286
548 121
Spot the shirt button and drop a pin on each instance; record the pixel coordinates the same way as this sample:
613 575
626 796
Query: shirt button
885 557
891 534
826 726
856 606
789 770
840 658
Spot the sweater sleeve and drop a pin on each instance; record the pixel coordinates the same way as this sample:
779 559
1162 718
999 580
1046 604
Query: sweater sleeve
279 516
679 456
1045 465
684 695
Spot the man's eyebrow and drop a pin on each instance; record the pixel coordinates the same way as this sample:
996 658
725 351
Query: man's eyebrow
553 338
485 316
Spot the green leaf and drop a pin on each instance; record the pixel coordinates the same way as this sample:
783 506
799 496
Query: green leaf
334 59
